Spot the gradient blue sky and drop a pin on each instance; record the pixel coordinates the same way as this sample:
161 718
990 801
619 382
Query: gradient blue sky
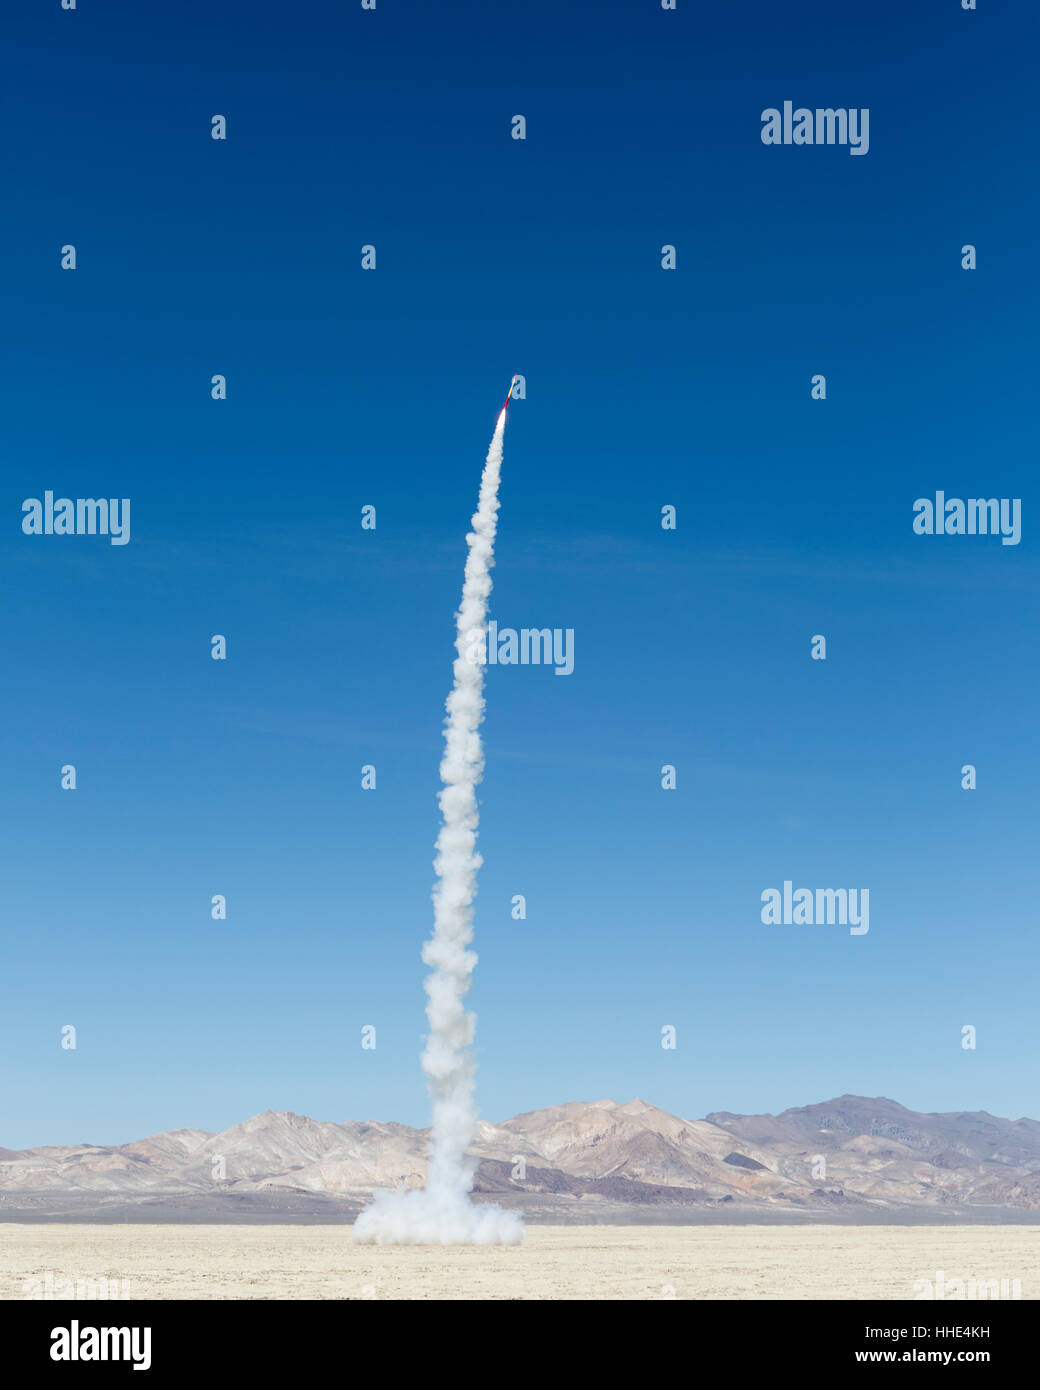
644 387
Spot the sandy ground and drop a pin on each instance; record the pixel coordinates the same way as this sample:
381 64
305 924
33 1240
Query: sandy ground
597 1262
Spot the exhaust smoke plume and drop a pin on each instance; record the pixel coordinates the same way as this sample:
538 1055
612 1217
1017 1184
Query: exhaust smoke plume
442 1213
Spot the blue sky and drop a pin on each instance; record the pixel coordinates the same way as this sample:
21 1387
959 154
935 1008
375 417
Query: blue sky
644 388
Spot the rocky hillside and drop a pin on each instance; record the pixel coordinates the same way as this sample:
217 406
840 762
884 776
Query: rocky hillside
862 1155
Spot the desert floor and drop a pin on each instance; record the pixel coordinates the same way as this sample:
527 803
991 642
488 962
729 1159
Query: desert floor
590 1262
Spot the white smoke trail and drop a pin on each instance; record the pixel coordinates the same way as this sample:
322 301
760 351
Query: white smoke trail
442 1213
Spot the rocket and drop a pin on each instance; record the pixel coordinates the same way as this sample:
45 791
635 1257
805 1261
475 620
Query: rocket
509 393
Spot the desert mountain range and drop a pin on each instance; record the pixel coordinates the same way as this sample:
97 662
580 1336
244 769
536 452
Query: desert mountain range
854 1153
